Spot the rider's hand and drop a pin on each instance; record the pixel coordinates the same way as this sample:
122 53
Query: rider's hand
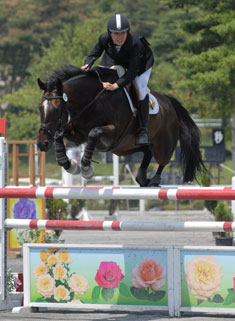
85 67
109 86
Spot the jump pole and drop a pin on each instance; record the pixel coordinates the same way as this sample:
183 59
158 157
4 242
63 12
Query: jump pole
118 193
3 245
115 226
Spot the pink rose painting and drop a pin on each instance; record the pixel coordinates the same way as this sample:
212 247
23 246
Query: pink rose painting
108 277
149 277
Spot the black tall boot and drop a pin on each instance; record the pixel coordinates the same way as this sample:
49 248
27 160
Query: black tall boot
143 115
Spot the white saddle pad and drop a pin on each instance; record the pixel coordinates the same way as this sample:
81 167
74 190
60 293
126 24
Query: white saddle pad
153 103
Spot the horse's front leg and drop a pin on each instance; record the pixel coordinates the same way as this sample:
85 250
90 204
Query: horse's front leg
95 135
141 177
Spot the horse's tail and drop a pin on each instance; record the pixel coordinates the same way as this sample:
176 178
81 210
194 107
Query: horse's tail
190 155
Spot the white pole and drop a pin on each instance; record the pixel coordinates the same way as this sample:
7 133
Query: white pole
84 215
3 249
116 181
115 170
142 206
233 208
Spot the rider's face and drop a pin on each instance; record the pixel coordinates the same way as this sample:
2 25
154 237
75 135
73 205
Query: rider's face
119 38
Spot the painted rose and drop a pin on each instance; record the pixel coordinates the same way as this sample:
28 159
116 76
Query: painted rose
44 255
203 276
45 285
59 272
78 284
109 275
149 273
63 257
61 293
40 269
52 260
24 209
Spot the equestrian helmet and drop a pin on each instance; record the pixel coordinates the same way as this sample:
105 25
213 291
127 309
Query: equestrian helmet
118 23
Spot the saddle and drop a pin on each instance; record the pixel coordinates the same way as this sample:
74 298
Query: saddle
132 93
130 90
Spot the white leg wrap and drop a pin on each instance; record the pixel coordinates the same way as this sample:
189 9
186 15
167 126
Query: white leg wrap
74 169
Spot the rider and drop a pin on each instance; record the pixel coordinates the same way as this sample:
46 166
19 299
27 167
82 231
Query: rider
133 53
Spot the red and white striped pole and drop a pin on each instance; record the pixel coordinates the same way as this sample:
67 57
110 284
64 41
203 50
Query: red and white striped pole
132 193
203 226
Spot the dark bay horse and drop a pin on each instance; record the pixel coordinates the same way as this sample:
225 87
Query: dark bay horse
75 106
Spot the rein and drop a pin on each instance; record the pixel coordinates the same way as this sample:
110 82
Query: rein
89 104
94 100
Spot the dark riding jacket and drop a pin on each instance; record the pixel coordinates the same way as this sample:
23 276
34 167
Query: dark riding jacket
135 56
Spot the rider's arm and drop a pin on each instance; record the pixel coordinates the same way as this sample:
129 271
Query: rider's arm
95 53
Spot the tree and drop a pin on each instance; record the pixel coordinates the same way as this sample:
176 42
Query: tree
69 47
209 66
26 27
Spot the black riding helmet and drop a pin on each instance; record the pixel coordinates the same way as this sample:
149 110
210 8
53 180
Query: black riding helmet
118 23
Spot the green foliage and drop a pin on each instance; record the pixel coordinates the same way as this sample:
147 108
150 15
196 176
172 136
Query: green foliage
209 66
57 209
27 26
210 205
23 125
205 178
223 212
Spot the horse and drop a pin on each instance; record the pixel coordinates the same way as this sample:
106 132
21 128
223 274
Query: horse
75 106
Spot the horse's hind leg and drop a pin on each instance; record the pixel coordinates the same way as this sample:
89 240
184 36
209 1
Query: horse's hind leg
141 177
87 169
156 180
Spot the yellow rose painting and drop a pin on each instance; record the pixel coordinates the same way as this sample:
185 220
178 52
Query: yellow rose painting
40 269
54 281
203 276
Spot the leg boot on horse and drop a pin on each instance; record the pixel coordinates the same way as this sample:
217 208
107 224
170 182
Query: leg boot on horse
143 116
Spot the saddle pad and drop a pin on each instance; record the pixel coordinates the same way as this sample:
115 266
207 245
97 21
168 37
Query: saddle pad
153 103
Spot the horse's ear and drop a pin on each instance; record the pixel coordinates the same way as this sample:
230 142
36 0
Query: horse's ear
59 85
42 85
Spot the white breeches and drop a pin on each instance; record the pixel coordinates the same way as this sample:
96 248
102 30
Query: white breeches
142 83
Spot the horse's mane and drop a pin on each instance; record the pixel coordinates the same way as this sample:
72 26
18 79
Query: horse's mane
69 71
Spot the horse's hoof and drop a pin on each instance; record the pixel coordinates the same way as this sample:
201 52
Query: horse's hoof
74 168
142 183
155 181
87 171
154 185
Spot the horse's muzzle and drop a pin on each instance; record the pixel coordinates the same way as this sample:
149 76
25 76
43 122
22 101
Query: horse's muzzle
44 146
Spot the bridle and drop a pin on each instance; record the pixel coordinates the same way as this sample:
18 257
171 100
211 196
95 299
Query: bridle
60 130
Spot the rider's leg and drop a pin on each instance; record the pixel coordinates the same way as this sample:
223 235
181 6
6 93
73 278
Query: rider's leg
143 109
143 115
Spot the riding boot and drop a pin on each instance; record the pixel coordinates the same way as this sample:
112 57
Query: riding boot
143 115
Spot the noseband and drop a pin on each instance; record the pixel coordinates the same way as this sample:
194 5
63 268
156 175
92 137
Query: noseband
60 130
